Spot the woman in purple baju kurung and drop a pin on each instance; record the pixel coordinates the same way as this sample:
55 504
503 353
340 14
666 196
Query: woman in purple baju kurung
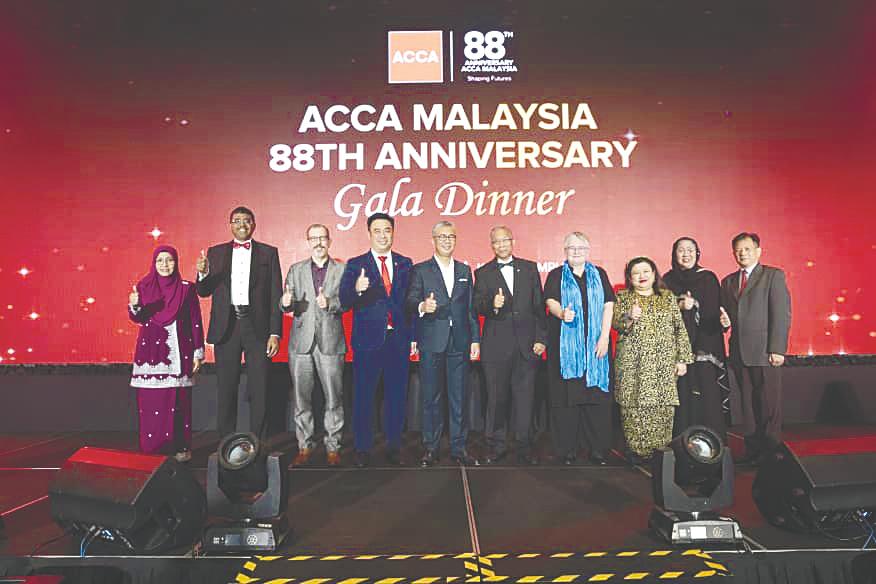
169 351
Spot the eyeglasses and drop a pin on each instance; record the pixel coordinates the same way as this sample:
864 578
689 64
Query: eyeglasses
445 238
318 239
242 221
501 241
577 249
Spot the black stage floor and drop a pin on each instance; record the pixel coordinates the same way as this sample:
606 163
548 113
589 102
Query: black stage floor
547 523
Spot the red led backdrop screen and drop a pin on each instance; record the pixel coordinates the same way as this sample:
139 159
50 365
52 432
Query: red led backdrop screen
128 124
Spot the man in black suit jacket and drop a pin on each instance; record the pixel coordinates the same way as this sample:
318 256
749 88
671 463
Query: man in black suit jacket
509 295
243 277
440 298
756 306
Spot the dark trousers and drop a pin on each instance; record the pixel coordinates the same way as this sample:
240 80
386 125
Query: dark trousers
391 360
453 364
700 400
242 339
761 393
590 422
508 381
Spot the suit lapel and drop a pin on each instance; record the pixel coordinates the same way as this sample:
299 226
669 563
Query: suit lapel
756 274
226 262
442 289
307 276
253 268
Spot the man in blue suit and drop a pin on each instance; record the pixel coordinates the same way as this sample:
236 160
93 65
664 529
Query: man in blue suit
441 298
373 285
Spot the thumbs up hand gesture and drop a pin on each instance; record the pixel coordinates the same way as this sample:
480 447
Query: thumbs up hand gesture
499 299
568 314
725 318
321 300
134 297
429 304
287 295
362 282
686 302
636 311
203 265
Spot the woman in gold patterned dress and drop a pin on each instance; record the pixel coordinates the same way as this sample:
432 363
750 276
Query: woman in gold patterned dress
653 349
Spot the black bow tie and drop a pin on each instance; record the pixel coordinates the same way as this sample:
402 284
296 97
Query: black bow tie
508 263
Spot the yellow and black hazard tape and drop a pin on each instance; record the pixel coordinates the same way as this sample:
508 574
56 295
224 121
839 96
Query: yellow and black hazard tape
480 568
471 556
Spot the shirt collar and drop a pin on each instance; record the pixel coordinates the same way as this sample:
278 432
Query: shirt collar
503 262
249 241
750 269
440 263
377 255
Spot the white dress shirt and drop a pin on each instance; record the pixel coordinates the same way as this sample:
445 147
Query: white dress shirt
447 273
241 258
388 262
748 271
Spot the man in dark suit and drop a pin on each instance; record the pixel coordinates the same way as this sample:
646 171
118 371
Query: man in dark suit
509 295
373 285
447 332
243 277
756 307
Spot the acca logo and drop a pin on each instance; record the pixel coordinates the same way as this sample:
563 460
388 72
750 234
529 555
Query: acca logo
416 56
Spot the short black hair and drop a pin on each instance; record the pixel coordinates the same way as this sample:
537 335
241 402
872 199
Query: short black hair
746 235
243 210
376 216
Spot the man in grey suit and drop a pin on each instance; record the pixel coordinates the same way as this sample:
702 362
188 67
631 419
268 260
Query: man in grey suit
316 343
756 307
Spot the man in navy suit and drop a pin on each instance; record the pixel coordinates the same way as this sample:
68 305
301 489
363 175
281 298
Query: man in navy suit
373 285
441 298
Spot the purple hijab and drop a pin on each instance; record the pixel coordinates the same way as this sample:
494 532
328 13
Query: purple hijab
162 295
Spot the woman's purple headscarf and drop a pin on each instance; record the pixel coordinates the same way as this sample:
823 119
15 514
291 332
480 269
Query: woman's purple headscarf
162 295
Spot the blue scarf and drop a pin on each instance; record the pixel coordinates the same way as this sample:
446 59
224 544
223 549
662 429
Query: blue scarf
577 346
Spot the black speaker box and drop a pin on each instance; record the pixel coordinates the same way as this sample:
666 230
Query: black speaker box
802 482
135 502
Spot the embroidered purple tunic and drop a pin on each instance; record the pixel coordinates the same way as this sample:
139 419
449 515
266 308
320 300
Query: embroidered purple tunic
163 357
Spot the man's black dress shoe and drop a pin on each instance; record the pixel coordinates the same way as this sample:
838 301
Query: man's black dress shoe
598 459
429 458
361 459
464 459
495 457
393 457
527 460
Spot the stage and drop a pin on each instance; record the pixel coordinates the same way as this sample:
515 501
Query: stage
546 523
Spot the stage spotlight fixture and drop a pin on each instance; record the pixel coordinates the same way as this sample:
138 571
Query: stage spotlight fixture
692 479
248 491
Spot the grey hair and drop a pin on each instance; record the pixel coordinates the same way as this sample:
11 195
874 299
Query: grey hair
503 228
441 224
576 234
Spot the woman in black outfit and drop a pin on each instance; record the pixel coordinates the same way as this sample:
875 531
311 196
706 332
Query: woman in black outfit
702 393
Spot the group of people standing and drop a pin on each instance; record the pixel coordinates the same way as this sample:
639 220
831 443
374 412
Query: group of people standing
669 370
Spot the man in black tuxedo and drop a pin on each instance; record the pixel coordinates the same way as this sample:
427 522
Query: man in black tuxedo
440 298
756 307
243 277
509 295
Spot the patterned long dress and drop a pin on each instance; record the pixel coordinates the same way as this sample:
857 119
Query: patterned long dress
164 389
645 380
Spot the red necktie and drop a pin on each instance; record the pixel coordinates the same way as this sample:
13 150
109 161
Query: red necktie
387 284
244 245
743 281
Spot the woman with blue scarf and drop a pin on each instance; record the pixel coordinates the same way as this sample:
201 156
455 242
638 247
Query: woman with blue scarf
580 300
